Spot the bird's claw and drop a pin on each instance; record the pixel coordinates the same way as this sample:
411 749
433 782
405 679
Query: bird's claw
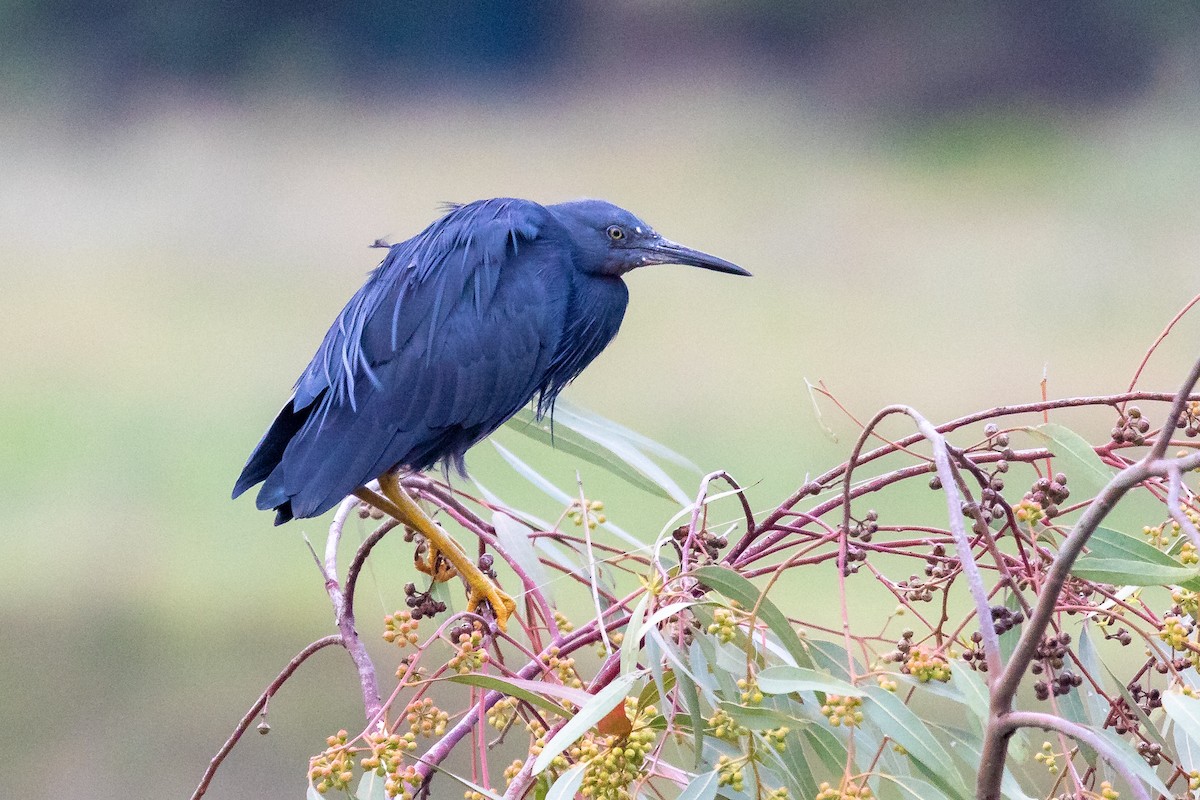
502 605
434 565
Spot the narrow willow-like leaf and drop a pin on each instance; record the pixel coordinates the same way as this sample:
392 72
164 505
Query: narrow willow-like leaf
1076 457
794 767
831 657
701 787
522 690
828 748
371 787
595 710
1132 760
903 726
912 788
758 718
968 750
1122 572
1185 712
631 645
602 451
567 784
974 691
514 538
736 587
787 679
562 406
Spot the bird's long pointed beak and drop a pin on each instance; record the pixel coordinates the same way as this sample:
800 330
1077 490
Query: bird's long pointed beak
664 251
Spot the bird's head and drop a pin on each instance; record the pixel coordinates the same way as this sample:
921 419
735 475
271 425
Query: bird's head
612 241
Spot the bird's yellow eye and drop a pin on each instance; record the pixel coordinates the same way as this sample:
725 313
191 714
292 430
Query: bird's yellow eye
615 233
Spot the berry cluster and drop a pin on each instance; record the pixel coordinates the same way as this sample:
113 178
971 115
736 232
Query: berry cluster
926 667
724 625
615 762
561 622
1047 758
843 710
1131 427
1051 653
936 564
578 511
1151 751
847 791
334 768
512 770
1189 421
564 668
1186 602
750 693
866 528
724 727
402 782
470 654
1107 792
1161 535
777 737
916 590
1004 619
386 751
1176 631
1028 511
425 718
422 604
501 715
731 772
1047 494
855 557
903 649
400 628
705 545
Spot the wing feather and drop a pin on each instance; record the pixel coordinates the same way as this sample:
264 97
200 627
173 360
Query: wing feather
449 336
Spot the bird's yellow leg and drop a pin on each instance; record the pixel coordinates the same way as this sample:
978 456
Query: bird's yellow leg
409 513
440 569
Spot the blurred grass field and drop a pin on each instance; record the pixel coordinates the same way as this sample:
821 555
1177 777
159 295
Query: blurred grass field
165 277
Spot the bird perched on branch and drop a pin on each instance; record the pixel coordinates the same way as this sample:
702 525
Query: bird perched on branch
498 304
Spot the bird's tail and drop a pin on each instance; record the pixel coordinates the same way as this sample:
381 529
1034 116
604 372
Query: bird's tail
269 452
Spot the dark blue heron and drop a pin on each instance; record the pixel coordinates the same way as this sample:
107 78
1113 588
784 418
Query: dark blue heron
497 304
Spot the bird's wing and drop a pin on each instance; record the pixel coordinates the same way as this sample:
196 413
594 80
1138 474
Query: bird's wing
448 338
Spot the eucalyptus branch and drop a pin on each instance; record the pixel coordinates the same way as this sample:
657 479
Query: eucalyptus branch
1081 734
1004 689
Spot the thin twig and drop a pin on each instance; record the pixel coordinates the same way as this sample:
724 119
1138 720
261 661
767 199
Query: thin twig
257 708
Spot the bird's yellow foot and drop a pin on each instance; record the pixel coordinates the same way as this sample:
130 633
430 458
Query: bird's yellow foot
502 605
429 560
441 547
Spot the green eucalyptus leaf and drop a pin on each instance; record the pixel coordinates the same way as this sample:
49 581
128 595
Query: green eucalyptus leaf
899 723
566 785
595 710
736 587
701 787
1132 760
758 718
787 679
1074 455
1121 572
371 787
1184 711
532 692
600 448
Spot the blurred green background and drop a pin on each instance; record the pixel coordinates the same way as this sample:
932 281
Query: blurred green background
941 203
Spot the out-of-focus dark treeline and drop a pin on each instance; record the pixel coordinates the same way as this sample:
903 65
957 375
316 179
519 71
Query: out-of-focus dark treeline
927 55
